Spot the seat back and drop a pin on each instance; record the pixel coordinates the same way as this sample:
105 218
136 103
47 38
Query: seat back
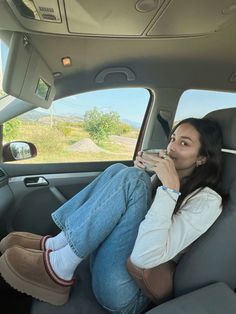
212 257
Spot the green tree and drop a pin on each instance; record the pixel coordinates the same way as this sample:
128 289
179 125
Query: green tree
10 129
101 125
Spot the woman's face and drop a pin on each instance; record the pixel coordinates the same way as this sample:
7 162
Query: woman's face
184 148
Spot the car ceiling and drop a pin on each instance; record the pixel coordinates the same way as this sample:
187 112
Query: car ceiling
168 43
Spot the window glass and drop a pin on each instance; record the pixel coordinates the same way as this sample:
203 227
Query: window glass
95 126
3 60
197 103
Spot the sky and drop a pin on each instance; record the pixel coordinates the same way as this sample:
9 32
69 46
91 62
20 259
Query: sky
198 103
3 52
131 103
3 59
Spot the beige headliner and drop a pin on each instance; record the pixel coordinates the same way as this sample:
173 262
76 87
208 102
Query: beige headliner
206 61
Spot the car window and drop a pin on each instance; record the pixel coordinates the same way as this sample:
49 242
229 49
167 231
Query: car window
95 126
3 59
198 103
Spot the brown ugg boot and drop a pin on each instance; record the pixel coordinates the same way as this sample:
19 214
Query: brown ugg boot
24 239
29 271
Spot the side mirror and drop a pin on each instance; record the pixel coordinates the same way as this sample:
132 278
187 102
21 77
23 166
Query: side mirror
17 150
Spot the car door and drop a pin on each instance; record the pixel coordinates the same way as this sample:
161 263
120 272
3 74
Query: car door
33 188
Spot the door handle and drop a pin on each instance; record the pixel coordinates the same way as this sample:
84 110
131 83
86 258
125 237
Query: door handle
35 181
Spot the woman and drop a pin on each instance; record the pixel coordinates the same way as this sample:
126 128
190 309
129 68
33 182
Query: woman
111 219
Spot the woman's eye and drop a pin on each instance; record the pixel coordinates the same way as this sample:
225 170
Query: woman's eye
183 143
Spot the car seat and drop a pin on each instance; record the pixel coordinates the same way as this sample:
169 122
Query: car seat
213 257
205 277
210 261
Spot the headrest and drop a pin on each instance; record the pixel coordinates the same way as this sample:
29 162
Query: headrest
227 121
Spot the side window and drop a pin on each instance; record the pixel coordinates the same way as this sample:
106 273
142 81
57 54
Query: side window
3 59
94 126
197 103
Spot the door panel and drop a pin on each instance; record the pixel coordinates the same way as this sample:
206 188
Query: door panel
35 191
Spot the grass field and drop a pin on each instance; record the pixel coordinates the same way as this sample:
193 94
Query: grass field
54 143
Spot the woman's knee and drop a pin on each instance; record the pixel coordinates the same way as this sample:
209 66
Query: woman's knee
133 174
115 168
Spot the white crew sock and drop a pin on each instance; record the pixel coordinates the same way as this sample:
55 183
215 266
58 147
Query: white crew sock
64 262
56 242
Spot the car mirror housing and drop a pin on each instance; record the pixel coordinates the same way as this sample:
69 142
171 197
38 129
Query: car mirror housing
18 150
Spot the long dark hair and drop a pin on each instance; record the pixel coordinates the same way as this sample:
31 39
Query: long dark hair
208 174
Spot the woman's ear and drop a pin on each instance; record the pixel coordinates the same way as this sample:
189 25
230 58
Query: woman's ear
201 160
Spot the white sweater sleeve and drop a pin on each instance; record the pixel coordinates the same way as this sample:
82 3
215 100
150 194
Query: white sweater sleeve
162 234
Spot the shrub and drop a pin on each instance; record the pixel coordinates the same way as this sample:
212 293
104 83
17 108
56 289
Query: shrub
124 128
10 129
101 125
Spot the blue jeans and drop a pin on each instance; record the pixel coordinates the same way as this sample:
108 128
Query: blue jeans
102 221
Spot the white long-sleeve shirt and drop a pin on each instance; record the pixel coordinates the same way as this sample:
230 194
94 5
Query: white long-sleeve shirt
162 235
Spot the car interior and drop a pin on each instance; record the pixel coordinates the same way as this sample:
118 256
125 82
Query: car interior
170 49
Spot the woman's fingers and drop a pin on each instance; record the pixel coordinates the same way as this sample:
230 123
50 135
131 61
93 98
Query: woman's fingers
138 162
150 158
145 159
163 153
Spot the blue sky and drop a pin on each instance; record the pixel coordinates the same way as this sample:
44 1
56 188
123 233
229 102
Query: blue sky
130 103
197 103
4 51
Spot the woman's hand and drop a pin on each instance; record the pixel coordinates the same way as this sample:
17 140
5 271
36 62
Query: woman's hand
138 162
163 166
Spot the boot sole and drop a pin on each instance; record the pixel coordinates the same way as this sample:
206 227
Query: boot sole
24 286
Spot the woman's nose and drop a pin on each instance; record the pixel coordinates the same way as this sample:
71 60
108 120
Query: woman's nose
171 146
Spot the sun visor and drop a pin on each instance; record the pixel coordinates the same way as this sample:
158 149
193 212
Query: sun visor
27 75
